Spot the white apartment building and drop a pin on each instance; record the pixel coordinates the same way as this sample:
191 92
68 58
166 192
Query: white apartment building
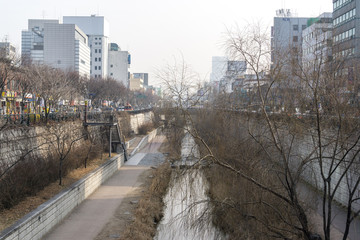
118 64
97 30
32 40
66 48
317 41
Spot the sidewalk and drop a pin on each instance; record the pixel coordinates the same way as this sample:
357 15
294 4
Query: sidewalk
89 218
134 143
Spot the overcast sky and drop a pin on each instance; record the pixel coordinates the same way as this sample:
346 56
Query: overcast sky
154 31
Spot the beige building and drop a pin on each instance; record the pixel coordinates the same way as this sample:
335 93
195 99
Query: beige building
136 84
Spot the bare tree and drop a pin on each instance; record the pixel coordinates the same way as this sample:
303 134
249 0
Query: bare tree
51 85
180 84
63 141
317 86
299 105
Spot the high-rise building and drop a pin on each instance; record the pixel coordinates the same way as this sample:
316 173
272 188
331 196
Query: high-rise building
118 64
32 41
346 30
66 48
63 46
317 41
97 30
286 39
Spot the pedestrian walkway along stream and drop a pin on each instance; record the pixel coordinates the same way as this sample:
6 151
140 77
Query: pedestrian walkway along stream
187 213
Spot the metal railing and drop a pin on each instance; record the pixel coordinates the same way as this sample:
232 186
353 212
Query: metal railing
32 118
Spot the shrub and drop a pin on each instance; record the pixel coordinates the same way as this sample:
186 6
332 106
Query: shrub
146 128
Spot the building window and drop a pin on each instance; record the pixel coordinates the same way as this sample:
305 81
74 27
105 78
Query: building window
95 59
96 43
95 50
99 59
111 65
296 27
95 67
295 38
99 50
99 67
95 38
111 74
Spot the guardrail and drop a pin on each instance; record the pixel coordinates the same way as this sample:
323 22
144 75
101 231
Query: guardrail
32 118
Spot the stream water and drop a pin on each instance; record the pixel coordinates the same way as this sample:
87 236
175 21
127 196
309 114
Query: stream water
187 210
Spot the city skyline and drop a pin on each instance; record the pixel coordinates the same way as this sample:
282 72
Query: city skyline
156 32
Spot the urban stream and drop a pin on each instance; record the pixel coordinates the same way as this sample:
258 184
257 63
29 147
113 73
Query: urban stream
187 210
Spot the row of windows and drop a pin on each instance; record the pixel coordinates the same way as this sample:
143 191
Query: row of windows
310 36
345 53
97 50
319 46
97 67
309 50
344 36
340 3
345 17
296 27
95 44
98 59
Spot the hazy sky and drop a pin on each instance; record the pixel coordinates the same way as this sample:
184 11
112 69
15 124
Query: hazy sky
154 31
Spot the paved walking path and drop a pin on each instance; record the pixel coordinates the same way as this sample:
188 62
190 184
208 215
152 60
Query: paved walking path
89 218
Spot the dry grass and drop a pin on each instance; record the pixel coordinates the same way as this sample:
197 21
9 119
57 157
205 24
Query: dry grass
10 216
146 128
150 209
240 208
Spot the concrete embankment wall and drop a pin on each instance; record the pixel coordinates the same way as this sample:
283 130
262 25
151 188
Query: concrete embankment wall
304 146
40 141
312 172
19 141
39 222
139 119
